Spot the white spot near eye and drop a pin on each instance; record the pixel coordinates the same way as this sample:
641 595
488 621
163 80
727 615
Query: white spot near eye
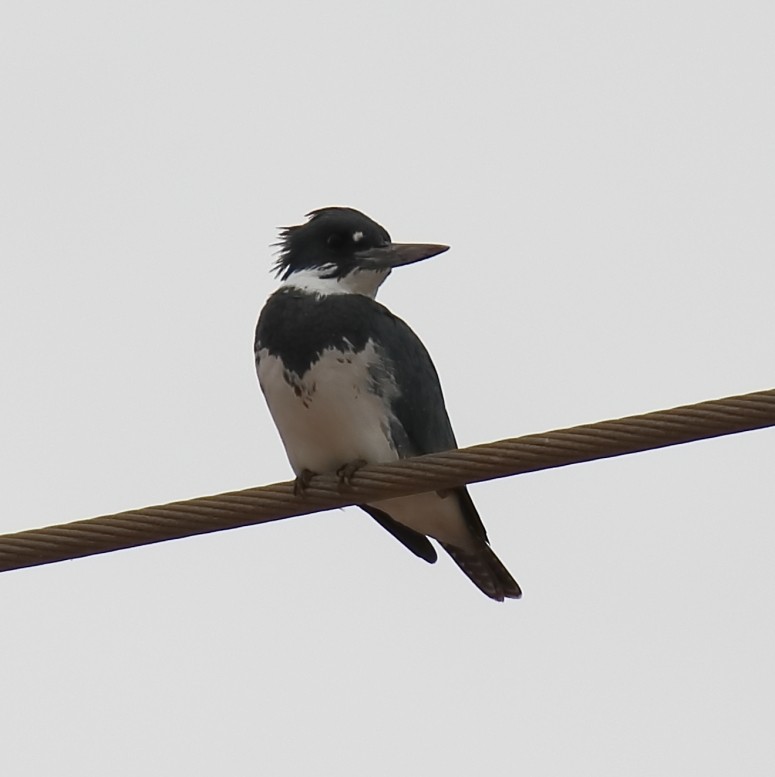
357 236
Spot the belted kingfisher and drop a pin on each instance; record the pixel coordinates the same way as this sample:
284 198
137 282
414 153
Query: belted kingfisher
349 383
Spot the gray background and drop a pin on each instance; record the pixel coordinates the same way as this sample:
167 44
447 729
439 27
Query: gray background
604 173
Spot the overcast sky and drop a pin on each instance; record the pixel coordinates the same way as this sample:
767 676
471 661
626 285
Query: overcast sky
605 175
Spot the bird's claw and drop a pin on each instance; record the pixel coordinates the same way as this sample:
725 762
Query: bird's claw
346 471
302 482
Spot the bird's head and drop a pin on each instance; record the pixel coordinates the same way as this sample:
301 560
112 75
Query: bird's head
345 248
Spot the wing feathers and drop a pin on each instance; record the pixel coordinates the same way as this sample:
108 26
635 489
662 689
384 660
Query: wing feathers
418 543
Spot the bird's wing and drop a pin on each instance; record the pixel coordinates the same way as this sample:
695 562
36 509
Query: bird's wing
422 424
418 404
418 543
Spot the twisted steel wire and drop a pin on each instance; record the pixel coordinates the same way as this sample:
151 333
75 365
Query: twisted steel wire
433 472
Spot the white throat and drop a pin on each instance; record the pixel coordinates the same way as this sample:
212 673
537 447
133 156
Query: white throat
312 280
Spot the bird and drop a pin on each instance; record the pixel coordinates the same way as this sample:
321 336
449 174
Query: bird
348 383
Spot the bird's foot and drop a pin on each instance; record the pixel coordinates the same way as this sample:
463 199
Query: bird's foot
443 493
346 471
302 482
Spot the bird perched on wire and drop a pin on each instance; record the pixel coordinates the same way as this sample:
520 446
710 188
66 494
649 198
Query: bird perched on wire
349 383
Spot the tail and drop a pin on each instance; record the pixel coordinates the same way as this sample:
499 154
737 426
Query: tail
485 571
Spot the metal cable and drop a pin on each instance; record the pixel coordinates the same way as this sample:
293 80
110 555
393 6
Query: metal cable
424 473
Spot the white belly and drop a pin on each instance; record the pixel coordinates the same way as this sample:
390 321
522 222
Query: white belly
331 415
